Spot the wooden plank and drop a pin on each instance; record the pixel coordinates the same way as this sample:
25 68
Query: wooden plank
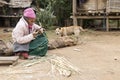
10 16
97 17
9 60
6 62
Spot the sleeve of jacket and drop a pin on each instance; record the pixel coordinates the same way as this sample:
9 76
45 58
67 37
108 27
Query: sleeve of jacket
19 36
37 26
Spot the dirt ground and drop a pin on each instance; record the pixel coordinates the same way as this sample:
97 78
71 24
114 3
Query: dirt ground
97 56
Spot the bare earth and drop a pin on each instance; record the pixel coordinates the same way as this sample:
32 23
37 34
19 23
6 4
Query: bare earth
97 56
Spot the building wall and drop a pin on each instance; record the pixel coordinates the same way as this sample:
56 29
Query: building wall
109 5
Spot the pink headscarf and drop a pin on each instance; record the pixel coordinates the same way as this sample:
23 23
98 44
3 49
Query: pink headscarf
29 12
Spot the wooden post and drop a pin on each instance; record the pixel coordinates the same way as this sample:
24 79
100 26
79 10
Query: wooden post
107 23
96 5
118 23
7 22
74 12
81 22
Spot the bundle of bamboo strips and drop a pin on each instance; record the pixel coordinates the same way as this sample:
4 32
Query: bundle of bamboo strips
63 66
58 65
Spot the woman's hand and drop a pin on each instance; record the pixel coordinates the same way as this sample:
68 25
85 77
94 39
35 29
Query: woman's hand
40 30
35 33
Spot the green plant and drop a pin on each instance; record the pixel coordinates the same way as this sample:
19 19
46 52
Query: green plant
45 16
54 12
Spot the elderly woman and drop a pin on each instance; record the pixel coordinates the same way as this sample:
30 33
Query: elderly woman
25 32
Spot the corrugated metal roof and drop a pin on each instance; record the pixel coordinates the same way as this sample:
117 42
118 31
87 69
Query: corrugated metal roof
2 3
20 3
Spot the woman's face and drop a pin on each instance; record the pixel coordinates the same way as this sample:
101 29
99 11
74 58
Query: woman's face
30 21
